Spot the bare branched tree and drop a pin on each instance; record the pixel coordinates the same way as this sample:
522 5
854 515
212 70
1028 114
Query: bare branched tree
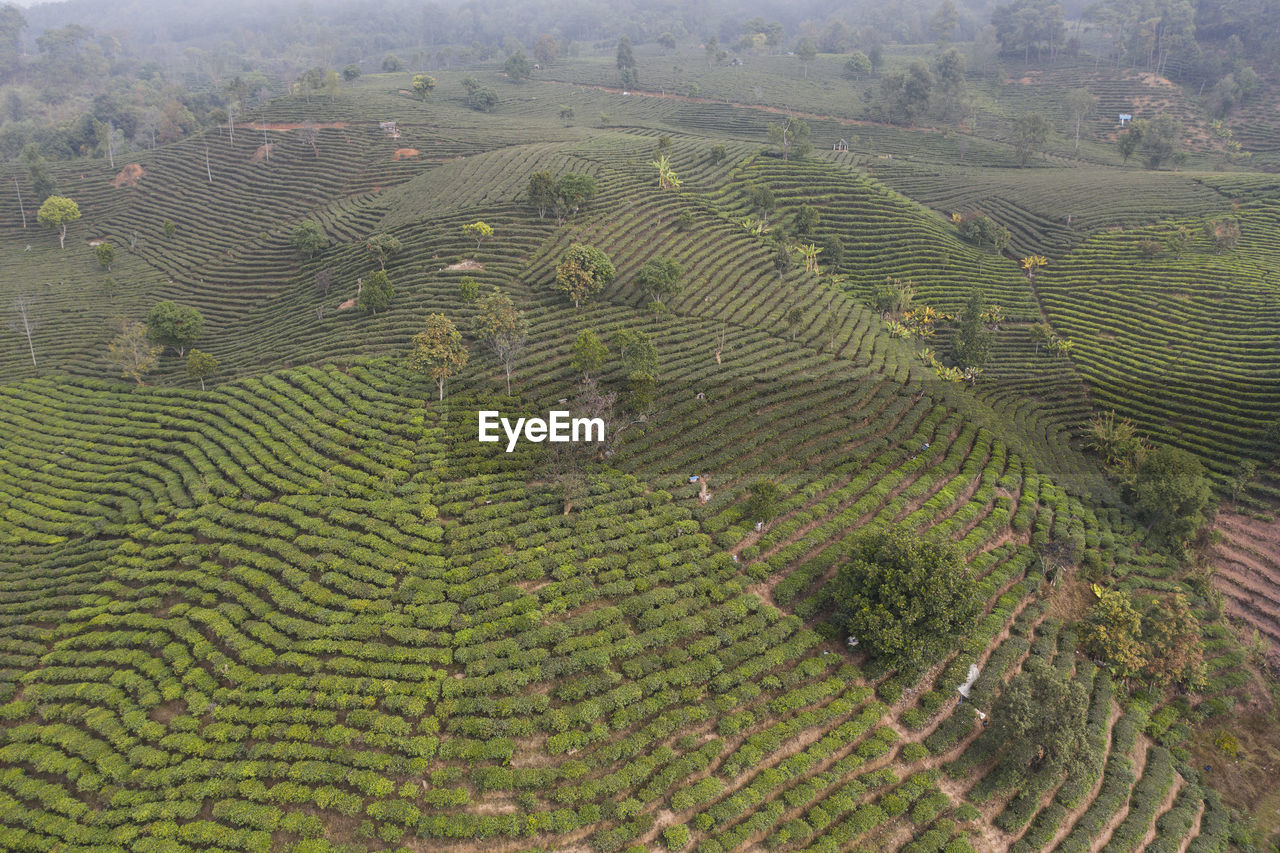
22 305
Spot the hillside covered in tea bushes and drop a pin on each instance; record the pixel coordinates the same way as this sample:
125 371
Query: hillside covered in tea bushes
287 601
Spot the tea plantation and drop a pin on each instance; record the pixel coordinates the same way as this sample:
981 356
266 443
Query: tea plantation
295 605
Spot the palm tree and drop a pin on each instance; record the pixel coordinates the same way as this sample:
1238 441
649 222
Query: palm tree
810 253
667 179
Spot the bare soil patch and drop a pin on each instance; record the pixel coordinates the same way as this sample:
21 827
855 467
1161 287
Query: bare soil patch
263 153
129 176
468 264
404 153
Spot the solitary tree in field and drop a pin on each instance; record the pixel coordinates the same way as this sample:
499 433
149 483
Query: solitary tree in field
857 66
546 50
56 212
589 353
1029 136
542 192
423 85
131 353
502 329
106 255
971 344
383 247
806 52
1173 492
438 350
583 272
630 77
1080 104
376 293
762 501
905 599
173 325
478 231
659 278
518 67
572 192
308 239
200 365
791 135
25 322
1038 725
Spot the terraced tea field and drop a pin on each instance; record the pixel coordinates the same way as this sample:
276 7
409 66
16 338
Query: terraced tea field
306 610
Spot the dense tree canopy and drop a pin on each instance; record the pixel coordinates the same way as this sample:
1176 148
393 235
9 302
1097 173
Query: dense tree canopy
904 598
173 325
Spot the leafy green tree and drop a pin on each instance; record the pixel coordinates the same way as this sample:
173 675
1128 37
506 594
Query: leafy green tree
971 343
392 63
131 353
478 231
1160 137
308 239
626 61
201 365
482 99
1130 141
56 212
1030 135
518 67
944 21
12 23
351 72
1172 492
667 41
948 74
468 288
717 153
169 229
792 319
807 220
762 501
423 85
1174 643
546 50
106 255
173 325
905 96
572 192
905 599
583 272
1028 24
376 293
42 182
659 278
806 52
589 353
382 247
502 329
791 136
1112 633
542 192
857 65
438 350
639 359
1039 722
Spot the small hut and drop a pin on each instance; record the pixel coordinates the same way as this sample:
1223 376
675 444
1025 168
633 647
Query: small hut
842 145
